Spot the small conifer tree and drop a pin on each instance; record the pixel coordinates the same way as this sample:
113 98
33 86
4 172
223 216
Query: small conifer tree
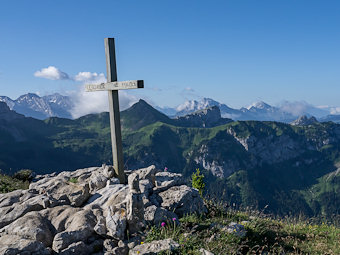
197 180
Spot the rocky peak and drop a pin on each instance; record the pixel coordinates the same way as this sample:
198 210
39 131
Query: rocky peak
208 117
304 121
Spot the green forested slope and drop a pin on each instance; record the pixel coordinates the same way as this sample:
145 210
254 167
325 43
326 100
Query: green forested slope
283 168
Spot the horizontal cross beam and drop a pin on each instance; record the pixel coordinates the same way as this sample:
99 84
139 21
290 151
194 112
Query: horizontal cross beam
116 85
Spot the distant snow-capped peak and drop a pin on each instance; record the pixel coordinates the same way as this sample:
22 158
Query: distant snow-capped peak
193 105
259 105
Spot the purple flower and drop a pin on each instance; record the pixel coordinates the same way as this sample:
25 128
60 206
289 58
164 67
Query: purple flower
163 224
174 219
165 169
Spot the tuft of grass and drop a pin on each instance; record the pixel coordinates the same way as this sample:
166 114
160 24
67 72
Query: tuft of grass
73 180
265 234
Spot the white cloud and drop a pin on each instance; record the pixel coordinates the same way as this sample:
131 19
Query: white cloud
96 102
299 108
88 77
335 110
52 73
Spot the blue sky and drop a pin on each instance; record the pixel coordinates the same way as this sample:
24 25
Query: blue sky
235 52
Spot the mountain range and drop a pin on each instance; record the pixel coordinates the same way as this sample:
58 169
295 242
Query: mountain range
56 105
32 105
287 169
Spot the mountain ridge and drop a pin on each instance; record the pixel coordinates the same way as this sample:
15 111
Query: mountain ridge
251 163
56 105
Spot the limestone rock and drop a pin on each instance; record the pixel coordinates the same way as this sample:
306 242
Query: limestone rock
133 182
205 252
13 245
147 173
166 180
156 215
108 196
135 212
116 223
182 200
32 226
236 229
17 210
154 247
78 228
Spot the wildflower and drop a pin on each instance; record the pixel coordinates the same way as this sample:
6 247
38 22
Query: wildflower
174 219
141 242
138 252
163 224
165 169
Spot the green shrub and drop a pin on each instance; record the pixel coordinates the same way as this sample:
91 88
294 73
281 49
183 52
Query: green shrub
197 181
24 175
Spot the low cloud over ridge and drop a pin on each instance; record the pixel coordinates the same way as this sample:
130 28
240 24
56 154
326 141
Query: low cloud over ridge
52 73
86 102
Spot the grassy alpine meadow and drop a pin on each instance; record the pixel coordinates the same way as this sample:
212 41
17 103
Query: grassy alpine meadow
264 234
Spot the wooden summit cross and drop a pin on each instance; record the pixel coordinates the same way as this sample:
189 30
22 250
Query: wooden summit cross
112 86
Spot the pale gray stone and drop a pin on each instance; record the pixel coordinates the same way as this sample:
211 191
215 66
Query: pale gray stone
133 182
156 215
13 245
236 229
109 245
108 171
182 200
17 210
135 212
97 181
205 252
10 198
166 180
116 223
78 228
31 226
145 187
154 247
108 196
147 173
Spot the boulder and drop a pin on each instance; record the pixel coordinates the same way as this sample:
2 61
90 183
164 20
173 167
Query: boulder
31 226
182 200
156 215
155 247
108 196
135 212
13 245
116 223
166 180
205 252
78 228
235 229
17 210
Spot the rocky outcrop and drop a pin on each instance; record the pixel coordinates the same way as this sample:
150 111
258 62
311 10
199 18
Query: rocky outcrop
88 211
304 121
209 117
154 247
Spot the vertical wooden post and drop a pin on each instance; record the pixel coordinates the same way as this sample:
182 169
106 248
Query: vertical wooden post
116 135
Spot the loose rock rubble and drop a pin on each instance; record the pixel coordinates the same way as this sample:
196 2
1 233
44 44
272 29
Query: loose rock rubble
88 211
